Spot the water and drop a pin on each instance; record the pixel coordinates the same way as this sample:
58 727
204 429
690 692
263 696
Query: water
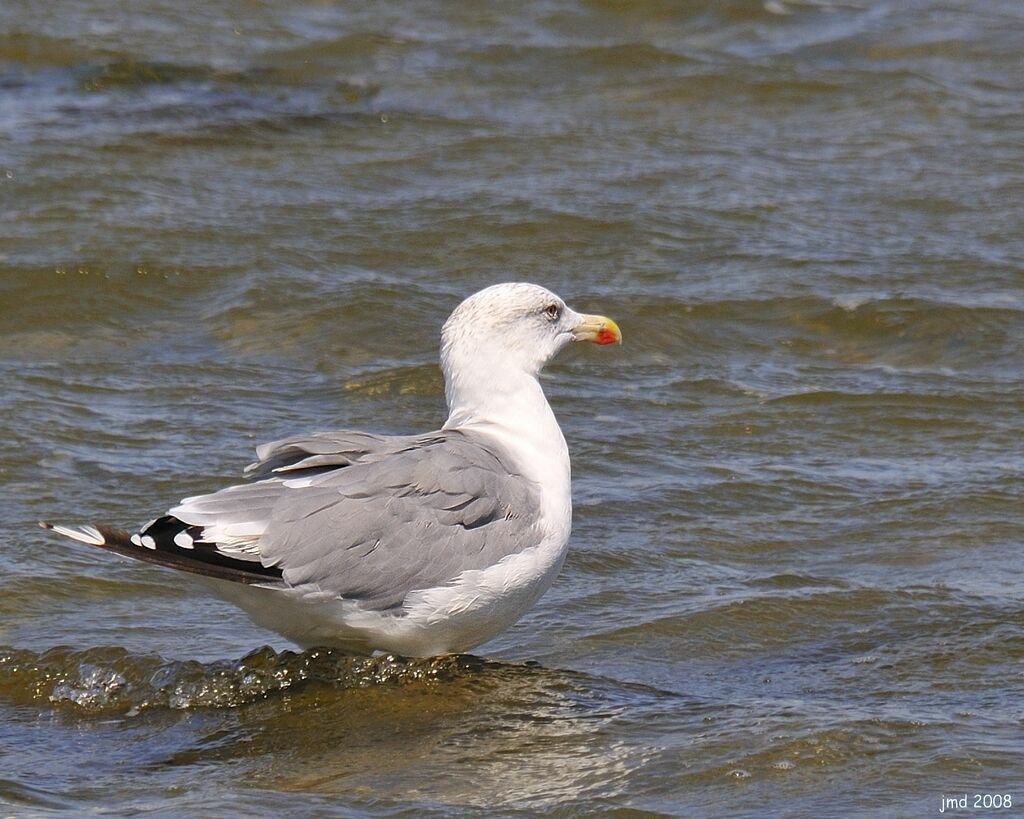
794 586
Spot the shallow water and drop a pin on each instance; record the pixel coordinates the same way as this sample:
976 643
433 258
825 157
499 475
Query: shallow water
794 586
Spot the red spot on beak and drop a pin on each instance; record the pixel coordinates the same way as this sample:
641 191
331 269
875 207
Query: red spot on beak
606 336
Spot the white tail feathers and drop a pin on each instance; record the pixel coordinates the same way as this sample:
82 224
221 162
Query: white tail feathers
85 534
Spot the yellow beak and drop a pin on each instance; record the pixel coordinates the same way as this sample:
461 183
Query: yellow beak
599 329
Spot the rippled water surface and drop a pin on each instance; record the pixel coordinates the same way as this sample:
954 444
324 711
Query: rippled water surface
795 581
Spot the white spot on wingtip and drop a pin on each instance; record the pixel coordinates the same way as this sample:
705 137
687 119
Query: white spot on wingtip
83 534
148 542
136 540
183 540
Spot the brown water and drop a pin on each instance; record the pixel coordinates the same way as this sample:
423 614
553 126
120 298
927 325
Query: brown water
795 581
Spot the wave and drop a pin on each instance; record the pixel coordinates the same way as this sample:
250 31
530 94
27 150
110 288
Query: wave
112 680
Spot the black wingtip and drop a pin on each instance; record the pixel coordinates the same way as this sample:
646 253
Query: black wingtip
162 550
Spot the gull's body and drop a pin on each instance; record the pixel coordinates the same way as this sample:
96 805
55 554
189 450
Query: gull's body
419 545
476 604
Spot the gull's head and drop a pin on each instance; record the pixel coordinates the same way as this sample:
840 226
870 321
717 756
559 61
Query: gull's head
513 329
520 325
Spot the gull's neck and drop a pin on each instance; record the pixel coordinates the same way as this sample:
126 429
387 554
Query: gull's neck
487 395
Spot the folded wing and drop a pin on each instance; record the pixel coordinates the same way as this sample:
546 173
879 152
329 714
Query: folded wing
367 518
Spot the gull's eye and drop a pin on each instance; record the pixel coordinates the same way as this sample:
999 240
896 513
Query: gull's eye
553 311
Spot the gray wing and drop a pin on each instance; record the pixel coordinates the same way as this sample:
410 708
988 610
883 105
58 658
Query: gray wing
374 518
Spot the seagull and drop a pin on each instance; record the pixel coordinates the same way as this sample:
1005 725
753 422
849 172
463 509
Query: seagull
418 545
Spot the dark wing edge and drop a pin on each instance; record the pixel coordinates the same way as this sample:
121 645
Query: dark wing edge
206 562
